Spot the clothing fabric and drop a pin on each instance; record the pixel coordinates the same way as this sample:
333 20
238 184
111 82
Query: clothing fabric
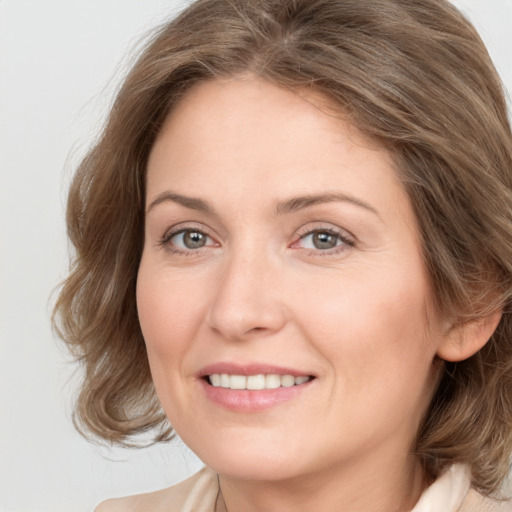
200 493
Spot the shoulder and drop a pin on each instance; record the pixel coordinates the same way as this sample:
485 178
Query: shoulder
195 494
475 502
451 492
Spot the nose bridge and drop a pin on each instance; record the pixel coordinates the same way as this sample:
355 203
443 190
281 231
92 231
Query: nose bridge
246 300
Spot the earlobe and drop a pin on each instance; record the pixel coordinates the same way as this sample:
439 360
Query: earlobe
465 339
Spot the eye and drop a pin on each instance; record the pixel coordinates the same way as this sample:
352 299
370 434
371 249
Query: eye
326 240
189 239
321 240
186 240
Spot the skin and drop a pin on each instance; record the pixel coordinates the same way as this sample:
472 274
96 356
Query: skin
356 316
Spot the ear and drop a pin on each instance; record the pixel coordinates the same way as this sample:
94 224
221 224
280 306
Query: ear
463 340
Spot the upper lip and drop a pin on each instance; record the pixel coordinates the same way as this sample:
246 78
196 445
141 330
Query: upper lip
250 369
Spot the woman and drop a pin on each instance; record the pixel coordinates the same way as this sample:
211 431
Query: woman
293 246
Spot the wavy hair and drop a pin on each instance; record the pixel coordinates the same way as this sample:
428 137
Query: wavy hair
413 75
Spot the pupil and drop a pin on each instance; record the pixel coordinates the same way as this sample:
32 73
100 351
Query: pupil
324 240
194 239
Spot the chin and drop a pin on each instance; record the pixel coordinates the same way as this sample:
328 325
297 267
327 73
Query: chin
257 460
258 469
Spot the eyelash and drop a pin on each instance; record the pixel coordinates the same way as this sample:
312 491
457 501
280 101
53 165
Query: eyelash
165 241
346 240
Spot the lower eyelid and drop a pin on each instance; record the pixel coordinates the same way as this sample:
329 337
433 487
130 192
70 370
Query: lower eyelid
182 234
165 240
344 241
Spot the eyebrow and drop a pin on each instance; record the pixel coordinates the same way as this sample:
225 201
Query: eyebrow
284 207
299 203
194 203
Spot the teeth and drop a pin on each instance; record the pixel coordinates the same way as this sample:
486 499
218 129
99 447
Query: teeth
255 382
272 381
287 381
238 382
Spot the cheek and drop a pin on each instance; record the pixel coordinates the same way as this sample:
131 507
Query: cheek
371 329
375 341
169 311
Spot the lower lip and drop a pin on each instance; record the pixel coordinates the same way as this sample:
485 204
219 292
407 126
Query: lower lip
244 400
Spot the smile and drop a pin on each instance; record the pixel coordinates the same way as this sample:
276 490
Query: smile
255 382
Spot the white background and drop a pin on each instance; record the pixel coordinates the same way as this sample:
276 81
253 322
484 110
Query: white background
61 61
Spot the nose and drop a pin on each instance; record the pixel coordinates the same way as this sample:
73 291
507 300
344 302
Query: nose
248 299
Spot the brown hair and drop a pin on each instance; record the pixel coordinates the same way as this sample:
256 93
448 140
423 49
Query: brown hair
412 74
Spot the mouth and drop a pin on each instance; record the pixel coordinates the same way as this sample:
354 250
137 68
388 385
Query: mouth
256 382
249 388
252 387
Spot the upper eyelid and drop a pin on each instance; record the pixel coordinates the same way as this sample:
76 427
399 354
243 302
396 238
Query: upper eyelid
172 234
303 231
180 227
344 240
332 228
164 242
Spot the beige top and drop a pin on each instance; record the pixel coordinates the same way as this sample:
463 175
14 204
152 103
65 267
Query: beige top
200 493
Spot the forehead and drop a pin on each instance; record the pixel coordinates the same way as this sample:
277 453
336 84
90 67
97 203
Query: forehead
247 100
249 128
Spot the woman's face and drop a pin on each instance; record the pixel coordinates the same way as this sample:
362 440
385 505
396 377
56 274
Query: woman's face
281 249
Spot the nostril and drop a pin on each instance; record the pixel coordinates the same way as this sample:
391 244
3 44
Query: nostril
256 329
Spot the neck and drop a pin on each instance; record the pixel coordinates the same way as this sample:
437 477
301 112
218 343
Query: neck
392 487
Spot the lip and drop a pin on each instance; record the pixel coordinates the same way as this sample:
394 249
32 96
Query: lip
250 369
250 401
